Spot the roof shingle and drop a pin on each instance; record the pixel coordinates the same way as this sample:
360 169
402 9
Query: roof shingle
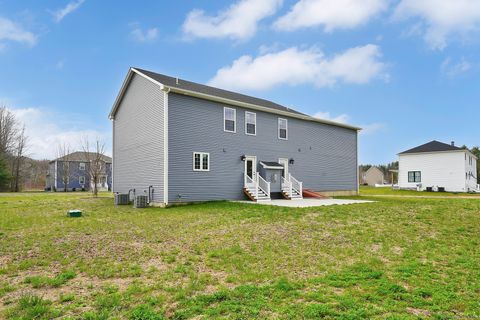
432 146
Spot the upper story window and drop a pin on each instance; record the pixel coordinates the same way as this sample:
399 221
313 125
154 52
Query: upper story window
81 166
229 119
201 161
250 123
414 176
282 129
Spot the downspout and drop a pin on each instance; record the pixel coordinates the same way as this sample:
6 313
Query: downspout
165 145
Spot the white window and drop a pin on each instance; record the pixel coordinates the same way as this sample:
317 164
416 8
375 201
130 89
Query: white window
282 129
229 119
201 161
81 166
250 123
81 180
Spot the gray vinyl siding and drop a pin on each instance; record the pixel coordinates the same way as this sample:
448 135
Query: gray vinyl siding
325 156
138 138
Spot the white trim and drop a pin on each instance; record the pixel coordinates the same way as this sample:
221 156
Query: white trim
254 166
231 102
82 168
266 166
234 119
287 162
286 129
201 161
165 146
80 182
255 123
124 86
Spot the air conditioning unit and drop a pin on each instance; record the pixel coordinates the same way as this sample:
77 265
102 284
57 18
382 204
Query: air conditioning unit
141 202
121 199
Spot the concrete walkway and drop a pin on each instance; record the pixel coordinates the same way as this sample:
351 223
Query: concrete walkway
307 202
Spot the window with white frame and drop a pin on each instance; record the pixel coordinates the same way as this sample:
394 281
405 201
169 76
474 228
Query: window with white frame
250 123
229 119
81 180
81 166
201 161
282 129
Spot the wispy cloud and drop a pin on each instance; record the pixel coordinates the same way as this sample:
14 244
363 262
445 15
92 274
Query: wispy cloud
11 31
46 130
372 128
452 68
239 21
441 21
342 118
358 65
331 14
139 35
59 14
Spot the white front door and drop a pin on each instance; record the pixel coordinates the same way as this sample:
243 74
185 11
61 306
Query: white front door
251 167
284 163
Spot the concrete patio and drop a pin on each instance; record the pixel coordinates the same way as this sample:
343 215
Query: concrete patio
307 202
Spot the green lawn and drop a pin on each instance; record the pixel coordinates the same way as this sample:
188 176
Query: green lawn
398 258
372 191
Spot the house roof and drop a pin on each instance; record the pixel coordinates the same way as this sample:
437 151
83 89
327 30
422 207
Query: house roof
432 146
207 92
271 165
82 156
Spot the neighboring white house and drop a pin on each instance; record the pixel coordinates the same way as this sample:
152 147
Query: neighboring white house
438 165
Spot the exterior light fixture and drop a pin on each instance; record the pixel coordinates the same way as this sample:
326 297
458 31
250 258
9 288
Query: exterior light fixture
291 161
243 158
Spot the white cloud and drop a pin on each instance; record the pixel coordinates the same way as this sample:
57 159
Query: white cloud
452 69
148 35
441 19
331 14
10 31
293 66
59 14
238 22
342 118
372 128
46 130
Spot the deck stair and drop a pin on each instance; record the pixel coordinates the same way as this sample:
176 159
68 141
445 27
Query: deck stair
256 189
292 189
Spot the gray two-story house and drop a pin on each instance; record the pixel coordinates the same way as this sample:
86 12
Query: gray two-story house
180 141
71 172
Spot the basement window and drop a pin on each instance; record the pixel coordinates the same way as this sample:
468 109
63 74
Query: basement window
414 176
229 120
282 129
201 161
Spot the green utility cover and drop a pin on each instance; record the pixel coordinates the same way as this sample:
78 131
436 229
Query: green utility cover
75 213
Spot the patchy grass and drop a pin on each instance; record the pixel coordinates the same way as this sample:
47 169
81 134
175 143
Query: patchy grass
397 258
387 191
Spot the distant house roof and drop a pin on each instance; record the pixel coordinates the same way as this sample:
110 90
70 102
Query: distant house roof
82 156
187 87
432 146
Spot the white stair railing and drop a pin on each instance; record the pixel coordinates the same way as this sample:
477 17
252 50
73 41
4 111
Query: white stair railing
296 185
263 185
250 183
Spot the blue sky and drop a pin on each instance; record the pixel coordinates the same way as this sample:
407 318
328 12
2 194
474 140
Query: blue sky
407 70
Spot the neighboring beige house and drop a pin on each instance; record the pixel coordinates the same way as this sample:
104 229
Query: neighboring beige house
373 176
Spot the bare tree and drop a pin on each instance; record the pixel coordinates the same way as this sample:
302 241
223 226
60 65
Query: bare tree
95 158
18 159
8 131
63 154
